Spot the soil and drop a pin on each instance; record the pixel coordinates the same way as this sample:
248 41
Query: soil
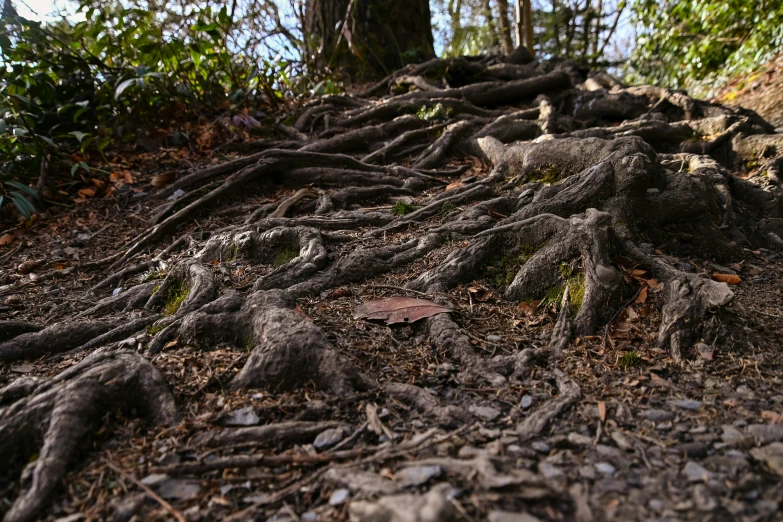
611 257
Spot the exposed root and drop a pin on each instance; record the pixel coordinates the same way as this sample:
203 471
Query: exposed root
63 411
59 337
569 393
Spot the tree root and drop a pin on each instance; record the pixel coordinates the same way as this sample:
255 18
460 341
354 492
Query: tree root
539 419
63 411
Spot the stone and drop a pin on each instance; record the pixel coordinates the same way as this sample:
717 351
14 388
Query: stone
526 402
771 455
485 412
154 480
579 440
242 417
657 415
765 433
177 489
541 446
339 496
550 472
605 468
703 498
328 438
687 404
696 473
416 475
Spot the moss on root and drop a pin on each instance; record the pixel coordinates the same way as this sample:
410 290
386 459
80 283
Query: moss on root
574 279
175 296
503 266
548 174
285 254
401 208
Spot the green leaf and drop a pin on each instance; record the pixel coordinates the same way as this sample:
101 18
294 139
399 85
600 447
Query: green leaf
78 135
24 206
121 87
24 188
18 131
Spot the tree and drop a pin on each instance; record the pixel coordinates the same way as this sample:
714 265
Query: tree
368 39
697 43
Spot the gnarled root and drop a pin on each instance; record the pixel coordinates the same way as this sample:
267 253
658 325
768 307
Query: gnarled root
63 411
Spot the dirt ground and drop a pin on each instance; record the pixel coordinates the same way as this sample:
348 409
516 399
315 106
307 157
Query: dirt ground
489 412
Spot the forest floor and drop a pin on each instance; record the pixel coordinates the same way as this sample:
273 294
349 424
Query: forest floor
508 408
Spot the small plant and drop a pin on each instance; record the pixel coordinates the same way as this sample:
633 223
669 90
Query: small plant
152 275
448 207
629 360
548 175
154 329
402 208
435 113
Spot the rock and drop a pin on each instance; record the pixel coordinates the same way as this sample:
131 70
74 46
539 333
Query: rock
484 412
608 451
705 351
771 455
14 300
435 506
507 516
550 472
765 433
579 440
731 435
154 480
494 338
687 404
657 415
339 496
328 438
242 417
745 392
124 508
695 473
360 482
541 446
177 489
587 472
605 468
526 402
416 475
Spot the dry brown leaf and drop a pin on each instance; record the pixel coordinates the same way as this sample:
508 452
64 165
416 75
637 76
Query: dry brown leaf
6 239
528 308
455 185
161 180
772 416
602 411
732 279
398 309
86 192
642 297
496 215
637 273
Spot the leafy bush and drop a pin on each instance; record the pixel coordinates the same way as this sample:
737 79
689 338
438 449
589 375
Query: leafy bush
698 44
70 91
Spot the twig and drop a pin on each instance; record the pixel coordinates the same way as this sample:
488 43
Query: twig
626 305
154 496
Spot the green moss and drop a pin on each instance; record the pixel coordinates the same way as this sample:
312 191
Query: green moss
435 113
155 290
285 254
154 329
549 174
232 252
575 280
448 207
402 208
175 295
629 360
504 265
576 290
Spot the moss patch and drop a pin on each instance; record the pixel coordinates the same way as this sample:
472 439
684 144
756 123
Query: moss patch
285 254
435 113
402 208
629 360
548 174
503 266
175 296
575 280
154 329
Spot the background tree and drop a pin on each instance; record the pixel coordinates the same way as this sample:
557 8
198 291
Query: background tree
698 44
367 39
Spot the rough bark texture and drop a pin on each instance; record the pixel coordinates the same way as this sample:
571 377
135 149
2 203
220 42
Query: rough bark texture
379 36
470 179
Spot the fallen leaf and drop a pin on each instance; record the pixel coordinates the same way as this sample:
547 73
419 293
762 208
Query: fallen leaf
528 308
398 309
642 297
161 180
732 279
6 239
602 411
496 215
638 272
343 291
772 416
455 185
86 192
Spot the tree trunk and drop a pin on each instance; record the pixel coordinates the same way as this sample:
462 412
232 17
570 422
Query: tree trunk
505 28
368 39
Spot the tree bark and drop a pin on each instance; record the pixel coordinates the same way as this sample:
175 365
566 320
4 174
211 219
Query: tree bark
367 39
505 28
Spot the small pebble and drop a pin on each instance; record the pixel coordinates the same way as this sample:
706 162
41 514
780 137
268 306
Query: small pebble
526 402
339 496
605 468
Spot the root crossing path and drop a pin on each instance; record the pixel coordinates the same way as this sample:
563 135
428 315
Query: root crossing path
596 363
